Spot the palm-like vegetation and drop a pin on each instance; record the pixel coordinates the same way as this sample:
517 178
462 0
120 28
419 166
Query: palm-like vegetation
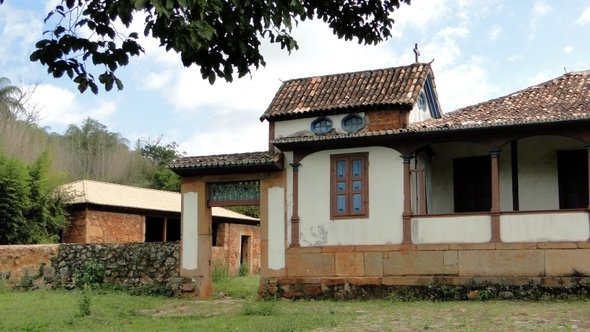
10 98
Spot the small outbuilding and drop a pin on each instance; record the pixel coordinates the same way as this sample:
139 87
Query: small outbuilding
103 212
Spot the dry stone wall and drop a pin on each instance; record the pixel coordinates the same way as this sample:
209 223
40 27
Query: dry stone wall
131 265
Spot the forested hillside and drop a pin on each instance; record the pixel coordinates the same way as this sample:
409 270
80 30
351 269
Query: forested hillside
84 151
33 163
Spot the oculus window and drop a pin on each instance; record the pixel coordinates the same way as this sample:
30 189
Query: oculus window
352 123
321 126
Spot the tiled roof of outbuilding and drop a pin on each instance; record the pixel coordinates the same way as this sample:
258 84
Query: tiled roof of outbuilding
381 87
566 97
247 159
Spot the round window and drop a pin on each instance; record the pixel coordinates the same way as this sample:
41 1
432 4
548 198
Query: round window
321 126
353 122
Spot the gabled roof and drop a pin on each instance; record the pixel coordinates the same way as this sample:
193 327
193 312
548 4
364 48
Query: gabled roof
564 98
227 163
303 97
121 196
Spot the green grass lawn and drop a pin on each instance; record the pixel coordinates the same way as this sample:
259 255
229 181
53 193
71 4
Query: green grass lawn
234 309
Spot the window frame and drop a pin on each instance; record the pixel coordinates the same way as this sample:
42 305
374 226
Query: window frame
318 120
349 117
349 179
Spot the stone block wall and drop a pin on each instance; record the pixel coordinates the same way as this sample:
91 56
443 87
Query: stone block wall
18 261
131 264
347 271
91 226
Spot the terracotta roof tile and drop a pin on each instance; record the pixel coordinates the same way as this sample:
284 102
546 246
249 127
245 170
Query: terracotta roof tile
339 92
227 160
566 97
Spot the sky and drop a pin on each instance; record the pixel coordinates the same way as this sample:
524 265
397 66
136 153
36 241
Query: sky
479 50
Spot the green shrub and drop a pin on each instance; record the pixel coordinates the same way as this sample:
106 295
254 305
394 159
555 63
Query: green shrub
219 270
84 304
92 274
243 270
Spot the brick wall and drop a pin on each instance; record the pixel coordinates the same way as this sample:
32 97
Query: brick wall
229 238
387 119
329 271
104 227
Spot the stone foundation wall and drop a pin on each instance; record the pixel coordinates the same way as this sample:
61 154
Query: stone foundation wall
131 265
343 271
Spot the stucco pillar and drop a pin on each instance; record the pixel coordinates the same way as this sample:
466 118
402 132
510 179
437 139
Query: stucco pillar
495 208
407 214
295 216
196 239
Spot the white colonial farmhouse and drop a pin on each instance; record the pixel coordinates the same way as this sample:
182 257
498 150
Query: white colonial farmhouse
367 185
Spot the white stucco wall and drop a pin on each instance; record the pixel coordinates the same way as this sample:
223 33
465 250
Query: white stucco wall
441 177
455 229
416 115
190 236
537 171
384 224
302 127
276 228
566 226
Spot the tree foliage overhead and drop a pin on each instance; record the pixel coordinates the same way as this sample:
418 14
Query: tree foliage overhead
222 37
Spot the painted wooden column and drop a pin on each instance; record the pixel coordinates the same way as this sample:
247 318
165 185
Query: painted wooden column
295 216
407 213
495 208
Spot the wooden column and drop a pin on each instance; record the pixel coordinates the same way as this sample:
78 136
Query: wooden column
295 216
407 213
495 209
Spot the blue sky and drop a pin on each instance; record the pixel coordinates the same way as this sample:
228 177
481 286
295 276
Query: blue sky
481 50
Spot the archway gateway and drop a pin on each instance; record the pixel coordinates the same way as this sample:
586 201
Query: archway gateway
223 180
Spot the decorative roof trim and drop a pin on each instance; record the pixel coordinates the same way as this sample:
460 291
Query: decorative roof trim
248 162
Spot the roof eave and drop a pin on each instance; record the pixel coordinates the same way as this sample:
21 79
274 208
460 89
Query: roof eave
274 166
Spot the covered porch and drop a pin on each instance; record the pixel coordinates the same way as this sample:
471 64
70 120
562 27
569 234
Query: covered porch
531 187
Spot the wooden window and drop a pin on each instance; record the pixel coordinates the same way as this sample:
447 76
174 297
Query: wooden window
349 186
472 179
572 170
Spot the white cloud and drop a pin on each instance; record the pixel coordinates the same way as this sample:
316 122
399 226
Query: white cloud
418 15
568 49
19 30
540 77
227 131
584 17
541 8
59 107
463 85
539 11
494 33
